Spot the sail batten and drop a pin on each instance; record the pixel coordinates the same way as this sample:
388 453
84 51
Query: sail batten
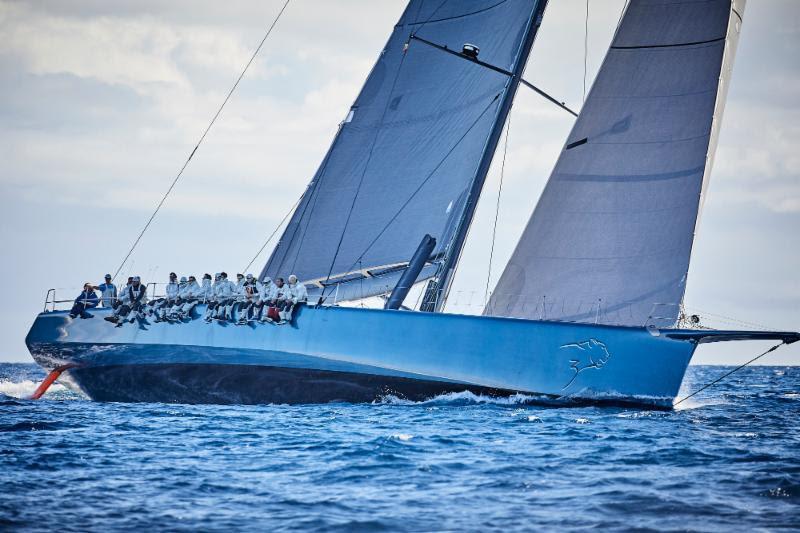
610 239
405 158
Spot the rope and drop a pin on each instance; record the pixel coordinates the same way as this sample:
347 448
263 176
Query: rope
704 387
497 212
291 210
202 137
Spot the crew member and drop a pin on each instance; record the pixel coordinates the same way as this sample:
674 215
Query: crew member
159 307
224 291
250 299
296 295
171 313
137 294
108 292
210 296
265 289
85 300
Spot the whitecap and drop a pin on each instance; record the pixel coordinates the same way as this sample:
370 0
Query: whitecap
462 398
23 389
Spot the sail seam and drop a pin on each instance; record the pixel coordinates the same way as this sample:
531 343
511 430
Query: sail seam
450 18
675 95
660 141
656 253
638 47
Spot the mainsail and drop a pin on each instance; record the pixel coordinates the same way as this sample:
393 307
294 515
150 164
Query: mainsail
406 159
610 239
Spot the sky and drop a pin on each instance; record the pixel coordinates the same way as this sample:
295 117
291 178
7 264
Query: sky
101 102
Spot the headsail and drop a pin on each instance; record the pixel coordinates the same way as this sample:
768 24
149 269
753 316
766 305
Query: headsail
406 157
610 239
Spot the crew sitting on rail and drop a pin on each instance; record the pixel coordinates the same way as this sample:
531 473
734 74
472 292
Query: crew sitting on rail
108 292
237 298
228 291
263 293
158 308
118 301
171 312
210 297
279 296
85 300
297 294
206 290
223 297
251 297
188 297
133 300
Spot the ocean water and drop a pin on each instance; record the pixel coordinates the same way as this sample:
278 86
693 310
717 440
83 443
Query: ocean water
728 460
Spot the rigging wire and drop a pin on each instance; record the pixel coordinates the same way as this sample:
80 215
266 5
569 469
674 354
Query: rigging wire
419 188
202 137
707 385
291 210
366 166
497 211
429 18
372 147
321 173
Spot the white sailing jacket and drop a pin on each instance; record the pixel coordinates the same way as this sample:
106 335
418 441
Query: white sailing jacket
297 293
172 290
206 291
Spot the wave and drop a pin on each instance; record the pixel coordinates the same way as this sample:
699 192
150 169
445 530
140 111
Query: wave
465 398
23 389
580 399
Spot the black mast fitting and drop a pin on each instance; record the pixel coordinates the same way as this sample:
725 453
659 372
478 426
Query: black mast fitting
471 56
411 274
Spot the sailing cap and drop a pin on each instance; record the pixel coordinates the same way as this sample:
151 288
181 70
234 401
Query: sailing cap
183 279
137 278
108 276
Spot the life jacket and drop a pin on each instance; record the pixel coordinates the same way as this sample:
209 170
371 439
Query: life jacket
136 294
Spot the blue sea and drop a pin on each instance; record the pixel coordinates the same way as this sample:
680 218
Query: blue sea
729 459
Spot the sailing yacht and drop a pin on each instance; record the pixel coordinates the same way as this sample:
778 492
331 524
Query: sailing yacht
586 309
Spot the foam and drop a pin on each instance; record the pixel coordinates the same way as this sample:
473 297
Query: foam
463 398
24 388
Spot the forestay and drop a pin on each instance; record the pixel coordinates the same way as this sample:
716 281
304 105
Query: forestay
610 239
406 155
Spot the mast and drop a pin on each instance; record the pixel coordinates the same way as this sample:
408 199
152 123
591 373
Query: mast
438 288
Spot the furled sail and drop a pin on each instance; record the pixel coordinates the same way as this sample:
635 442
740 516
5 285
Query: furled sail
405 158
610 239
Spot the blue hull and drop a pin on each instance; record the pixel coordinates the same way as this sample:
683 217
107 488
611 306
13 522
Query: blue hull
352 354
